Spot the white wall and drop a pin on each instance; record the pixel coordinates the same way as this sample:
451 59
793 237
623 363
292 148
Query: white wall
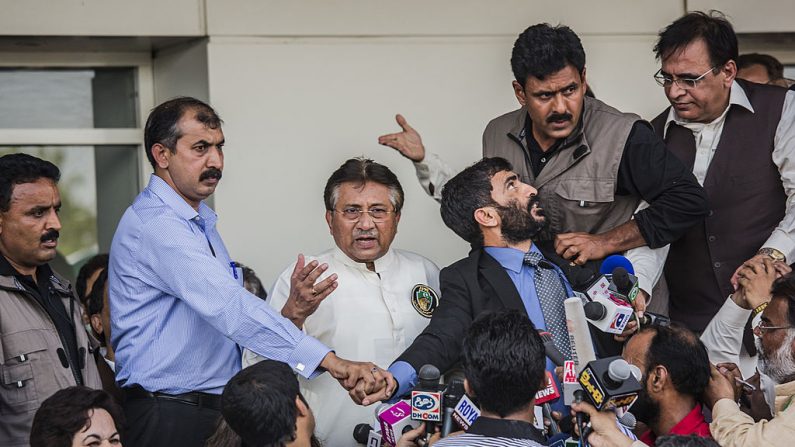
296 107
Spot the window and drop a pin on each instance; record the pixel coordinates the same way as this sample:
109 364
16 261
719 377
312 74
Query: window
86 118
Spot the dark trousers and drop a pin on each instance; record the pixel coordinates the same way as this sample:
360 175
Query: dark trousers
154 422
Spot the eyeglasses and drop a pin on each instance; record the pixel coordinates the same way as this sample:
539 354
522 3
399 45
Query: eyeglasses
760 329
683 83
354 214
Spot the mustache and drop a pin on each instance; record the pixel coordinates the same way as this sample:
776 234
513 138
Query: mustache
211 173
51 235
559 117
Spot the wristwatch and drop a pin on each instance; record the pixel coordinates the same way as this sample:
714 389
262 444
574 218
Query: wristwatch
772 253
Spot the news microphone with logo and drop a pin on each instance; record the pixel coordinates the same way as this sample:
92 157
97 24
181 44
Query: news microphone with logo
426 399
608 314
365 434
544 396
581 345
395 421
609 383
624 285
465 412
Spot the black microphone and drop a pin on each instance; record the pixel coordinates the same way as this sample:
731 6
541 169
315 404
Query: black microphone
624 284
452 395
650 318
361 432
550 349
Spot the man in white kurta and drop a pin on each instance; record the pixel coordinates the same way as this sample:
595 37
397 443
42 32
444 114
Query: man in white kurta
378 298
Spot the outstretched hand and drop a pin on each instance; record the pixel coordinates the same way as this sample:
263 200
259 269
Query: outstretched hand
408 142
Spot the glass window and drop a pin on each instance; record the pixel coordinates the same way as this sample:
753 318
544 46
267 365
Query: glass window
97 184
59 98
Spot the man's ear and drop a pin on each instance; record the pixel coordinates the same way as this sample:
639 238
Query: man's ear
658 379
518 90
468 388
303 410
96 324
329 216
161 155
487 217
730 70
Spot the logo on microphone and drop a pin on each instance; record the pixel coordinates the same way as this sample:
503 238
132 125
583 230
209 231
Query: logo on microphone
426 406
619 322
424 300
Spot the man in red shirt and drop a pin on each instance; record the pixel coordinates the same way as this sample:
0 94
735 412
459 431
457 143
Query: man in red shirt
675 372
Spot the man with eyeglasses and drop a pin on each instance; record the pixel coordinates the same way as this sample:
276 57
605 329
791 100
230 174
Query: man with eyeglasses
591 163
776 344
738 138
382 297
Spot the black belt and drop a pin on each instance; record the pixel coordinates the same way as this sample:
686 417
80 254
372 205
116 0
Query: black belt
206 400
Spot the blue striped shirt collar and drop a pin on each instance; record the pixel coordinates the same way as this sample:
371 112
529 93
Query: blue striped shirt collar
166 193
510 258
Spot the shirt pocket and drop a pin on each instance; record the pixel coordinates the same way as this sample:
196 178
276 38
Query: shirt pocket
17 371
587 196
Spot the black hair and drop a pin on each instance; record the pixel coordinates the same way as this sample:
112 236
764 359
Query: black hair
258 403
96 262
251 281
162 125
503 361
468 191
361 170
685 441
684 356
712 27
66 412
774 68
784 288
542 50
95 301
16 169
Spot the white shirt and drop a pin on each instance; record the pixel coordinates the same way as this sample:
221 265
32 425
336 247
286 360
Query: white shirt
707 137
723 337
369 317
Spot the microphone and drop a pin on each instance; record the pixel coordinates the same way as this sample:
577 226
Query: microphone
624 285
451 399
608 315
362 434
628 420
465 412
426 399
609 383
550 391
581 345
550 349
395 421
650 318
611 262
544 396
580 338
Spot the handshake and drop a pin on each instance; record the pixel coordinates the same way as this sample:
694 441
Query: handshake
366 383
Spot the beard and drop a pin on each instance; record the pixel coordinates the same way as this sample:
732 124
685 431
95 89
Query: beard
778 365
519 225
645 409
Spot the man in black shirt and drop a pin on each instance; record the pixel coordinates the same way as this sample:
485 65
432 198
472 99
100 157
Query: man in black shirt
44 346
592 164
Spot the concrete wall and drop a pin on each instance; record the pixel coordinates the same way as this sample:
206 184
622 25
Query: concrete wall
304 86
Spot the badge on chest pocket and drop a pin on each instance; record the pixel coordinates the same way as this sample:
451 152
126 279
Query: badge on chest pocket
424 299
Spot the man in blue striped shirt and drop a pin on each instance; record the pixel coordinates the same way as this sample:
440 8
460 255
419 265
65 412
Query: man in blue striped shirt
180 314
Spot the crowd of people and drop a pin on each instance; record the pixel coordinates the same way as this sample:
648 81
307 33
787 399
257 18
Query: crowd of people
167 340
